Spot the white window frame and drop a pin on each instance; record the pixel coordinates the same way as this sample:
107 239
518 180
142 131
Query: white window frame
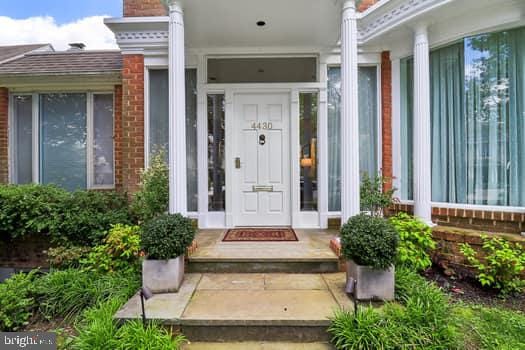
36 135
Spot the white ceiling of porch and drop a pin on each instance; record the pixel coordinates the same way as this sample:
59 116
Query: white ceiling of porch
290 23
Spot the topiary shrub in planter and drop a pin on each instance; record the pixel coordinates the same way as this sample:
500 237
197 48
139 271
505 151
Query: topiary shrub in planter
369 245
164 240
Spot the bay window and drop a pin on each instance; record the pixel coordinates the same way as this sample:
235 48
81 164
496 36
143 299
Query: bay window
478 120
67 141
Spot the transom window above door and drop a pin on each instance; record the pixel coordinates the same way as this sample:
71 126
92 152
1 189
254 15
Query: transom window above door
262 70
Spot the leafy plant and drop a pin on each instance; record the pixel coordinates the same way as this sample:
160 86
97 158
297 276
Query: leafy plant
66 293
420 319
153 197
374 200
133 335
415 242
370 241
167 236
502 264
16 301
63 257
120 251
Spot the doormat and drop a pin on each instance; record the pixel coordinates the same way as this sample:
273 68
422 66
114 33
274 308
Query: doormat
260 235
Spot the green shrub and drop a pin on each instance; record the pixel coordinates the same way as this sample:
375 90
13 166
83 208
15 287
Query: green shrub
152 198
79 218
66 293
502 264
28 209
167 236
84 217
421 319
370 241
373 199
415 242
16 301
64 257
119 252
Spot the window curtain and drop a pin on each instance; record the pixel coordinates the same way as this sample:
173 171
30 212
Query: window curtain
448 125
406 137
334 139
103 140
368 120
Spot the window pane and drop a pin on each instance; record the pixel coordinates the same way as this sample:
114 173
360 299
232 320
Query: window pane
63 140
23 157
158 111
368 127
191 139
334 139
262 70
216 178
406 137
309 159
368 120
103 140
159 125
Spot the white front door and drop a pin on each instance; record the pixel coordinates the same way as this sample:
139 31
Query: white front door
261 141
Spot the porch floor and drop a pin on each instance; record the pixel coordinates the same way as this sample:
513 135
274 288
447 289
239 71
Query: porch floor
312 245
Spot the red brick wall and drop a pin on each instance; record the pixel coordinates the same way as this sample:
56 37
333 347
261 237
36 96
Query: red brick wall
132 121
4 153
117 136
386 117
363 5
142 8
482 220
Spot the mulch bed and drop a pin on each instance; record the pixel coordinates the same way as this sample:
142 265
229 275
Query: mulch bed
468 289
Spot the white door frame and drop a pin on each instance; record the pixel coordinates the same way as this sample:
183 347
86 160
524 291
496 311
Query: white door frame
225 219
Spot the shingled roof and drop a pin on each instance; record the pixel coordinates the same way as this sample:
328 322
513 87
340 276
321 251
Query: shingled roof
72 62
14 51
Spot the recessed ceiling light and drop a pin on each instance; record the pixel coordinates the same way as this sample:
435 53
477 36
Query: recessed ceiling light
261 23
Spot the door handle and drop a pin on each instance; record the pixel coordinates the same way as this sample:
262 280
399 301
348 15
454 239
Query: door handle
237 163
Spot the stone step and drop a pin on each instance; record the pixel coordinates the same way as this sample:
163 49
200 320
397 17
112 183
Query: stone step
248 307
257 346
231 265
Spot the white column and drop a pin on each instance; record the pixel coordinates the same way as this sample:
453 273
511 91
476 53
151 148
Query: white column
177 112
350 180
422 152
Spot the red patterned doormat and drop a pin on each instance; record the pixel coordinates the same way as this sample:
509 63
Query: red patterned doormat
260 235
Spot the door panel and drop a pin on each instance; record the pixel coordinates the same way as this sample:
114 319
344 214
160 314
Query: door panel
261 192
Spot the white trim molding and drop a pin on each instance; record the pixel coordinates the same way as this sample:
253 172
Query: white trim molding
391 15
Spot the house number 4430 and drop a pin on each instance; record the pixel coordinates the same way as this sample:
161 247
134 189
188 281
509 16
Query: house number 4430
264 125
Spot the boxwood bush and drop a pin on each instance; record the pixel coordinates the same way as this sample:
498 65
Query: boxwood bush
167 236
77 218
370 241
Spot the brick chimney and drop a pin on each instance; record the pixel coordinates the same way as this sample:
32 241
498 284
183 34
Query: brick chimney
363 5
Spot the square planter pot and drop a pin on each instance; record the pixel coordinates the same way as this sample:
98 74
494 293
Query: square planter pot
163 276
371 284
